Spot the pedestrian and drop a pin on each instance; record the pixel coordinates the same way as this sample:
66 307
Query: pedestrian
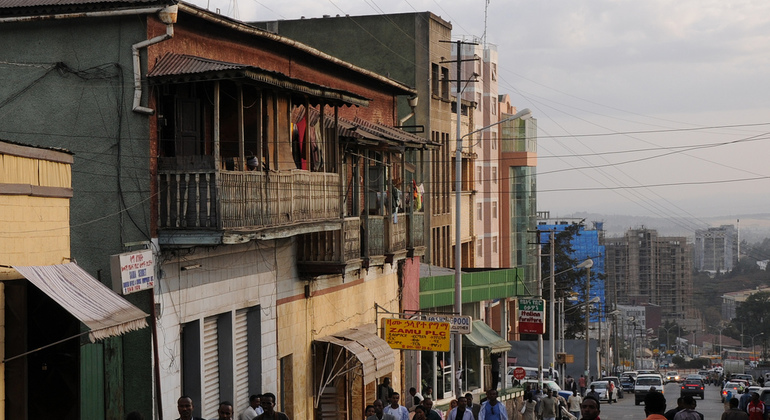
253 410
492 409
679 407
743 401
610 391
185 407
582 385
734 413
384 390
395 409
689 412
573 404
225 411
379 413
419 413
756 408
549 406
369 411
593 393
654 406
432 414
461 412
416 397
475 408
590 409
494 359
452 405
528 409
268 405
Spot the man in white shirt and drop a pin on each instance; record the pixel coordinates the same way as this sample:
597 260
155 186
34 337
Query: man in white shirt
394 409
253 410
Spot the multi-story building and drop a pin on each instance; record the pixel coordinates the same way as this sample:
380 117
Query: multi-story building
265 177
644 268
731 301
716 249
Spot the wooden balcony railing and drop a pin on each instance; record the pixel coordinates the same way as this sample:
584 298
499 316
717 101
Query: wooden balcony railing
193 198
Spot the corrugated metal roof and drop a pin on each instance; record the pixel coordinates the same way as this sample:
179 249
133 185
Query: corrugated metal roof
178 68
48 6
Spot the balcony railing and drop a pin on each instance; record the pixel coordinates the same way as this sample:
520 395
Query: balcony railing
207 199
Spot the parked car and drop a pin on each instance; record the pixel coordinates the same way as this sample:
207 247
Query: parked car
616 381
531 372
745 376
672 376
602 387
692 386
644 383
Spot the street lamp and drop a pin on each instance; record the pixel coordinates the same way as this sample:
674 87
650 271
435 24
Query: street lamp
667 334
551 336
458 306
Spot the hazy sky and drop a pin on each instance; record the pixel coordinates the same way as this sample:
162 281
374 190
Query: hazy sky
657 108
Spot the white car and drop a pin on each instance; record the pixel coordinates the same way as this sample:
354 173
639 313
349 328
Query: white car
602 388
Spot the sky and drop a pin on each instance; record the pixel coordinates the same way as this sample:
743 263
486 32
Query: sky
644 108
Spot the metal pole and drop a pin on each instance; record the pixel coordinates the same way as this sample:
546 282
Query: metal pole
588 320
457 361
539 336
552 335
599 350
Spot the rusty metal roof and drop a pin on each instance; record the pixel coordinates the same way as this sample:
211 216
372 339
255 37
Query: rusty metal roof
179 68
42 7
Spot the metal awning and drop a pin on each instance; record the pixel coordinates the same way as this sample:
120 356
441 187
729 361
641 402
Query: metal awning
485 337
104 312
372 354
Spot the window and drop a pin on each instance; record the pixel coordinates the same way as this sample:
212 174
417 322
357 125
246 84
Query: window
480 248
494 71
493 103
494 174
494 244
478 174
494 209
494 140
445 85
479 210
434 80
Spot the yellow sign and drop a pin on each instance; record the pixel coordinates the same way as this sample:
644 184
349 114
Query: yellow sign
409 334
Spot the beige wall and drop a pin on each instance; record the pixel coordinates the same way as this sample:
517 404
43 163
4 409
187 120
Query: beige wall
33 230
334 306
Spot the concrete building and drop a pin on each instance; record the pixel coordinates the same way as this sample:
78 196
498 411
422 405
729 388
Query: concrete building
716 249
731 301
644 268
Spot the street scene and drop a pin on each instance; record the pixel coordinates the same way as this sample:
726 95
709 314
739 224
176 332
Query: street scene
346 210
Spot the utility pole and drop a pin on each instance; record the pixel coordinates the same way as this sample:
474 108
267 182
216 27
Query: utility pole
458 301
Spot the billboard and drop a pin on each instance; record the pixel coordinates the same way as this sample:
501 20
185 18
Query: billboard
531 316
410 334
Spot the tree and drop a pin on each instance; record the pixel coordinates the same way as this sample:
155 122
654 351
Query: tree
751 315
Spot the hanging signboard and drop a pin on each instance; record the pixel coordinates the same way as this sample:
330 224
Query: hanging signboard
410 334
132 271
531 316
459 324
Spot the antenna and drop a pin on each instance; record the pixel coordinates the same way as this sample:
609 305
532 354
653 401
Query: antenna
484 37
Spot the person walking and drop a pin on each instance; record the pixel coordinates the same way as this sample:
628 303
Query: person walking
225 411
689 412
185 407
528 409
268 405
756 408
549 406
654 406
475 408
253 410
492 409
573 404
395 409
432 414
461 412
582 385
590 409
593 393
734 413
379 413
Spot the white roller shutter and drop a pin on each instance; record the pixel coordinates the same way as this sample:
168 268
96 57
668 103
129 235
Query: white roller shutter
241 358
210 369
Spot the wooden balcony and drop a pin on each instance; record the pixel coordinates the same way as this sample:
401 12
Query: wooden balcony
265 204
331 252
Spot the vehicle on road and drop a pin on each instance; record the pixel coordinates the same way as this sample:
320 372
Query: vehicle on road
553 386
616 381
694 387
602 387
644 383
672 376
744 376
627 380
735 387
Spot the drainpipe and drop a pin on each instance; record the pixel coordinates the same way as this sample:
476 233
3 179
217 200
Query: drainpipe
168 16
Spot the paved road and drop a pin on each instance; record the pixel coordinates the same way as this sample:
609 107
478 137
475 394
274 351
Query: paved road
625 409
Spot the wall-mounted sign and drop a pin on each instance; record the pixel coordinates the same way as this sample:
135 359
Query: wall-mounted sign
132 271
459 324
411 334
531 316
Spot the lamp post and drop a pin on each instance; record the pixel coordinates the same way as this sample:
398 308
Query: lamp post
523 114
667 334
588 314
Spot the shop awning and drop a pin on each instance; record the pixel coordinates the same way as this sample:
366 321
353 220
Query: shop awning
485 337
374 353
103 311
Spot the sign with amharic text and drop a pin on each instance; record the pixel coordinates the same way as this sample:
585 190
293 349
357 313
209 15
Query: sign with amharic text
410 334
531 316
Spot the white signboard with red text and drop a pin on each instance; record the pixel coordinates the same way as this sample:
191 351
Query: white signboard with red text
132 271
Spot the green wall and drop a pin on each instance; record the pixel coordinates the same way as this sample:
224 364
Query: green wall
476 287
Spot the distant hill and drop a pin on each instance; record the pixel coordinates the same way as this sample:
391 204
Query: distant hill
753 227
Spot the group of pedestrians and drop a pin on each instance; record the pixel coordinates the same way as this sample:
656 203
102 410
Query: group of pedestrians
463 408
261 407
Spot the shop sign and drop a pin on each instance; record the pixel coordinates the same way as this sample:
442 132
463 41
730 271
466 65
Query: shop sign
531 316
410 334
